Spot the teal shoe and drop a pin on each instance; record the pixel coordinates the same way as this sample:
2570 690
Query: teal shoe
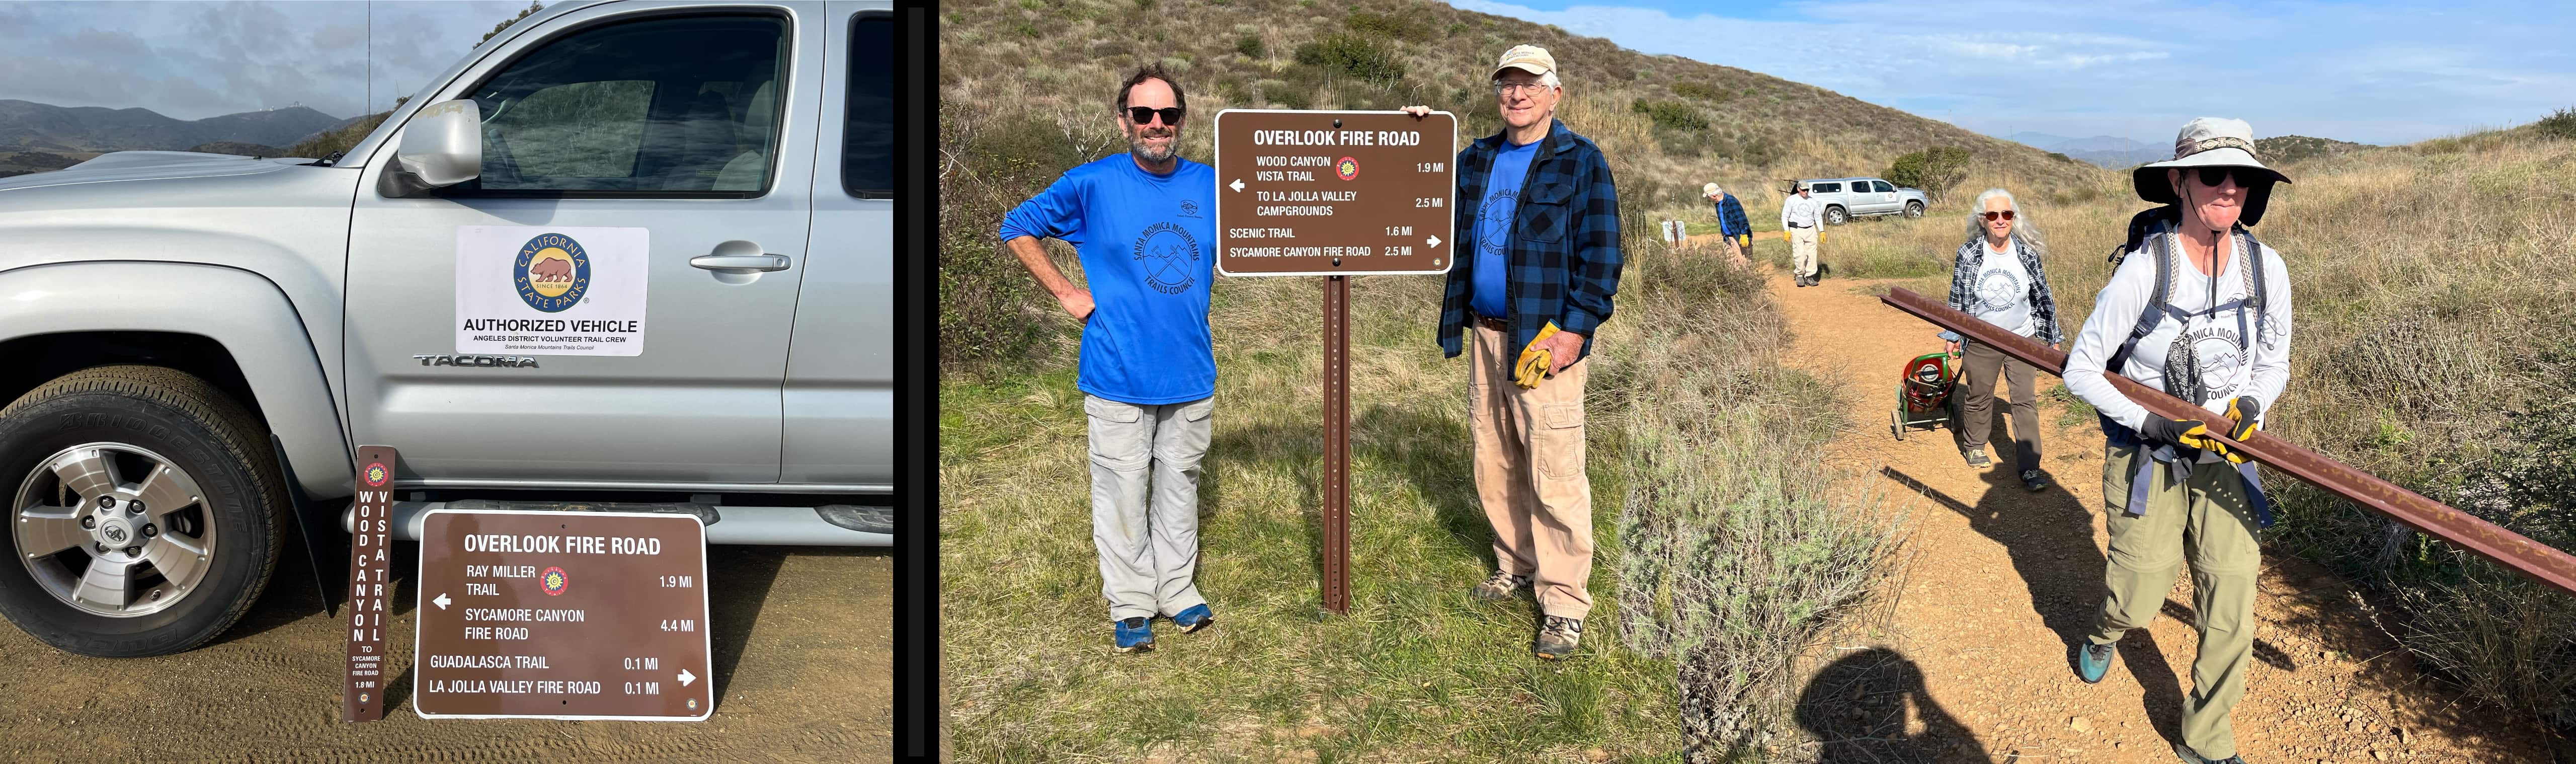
1134 635
2092 661
2194 757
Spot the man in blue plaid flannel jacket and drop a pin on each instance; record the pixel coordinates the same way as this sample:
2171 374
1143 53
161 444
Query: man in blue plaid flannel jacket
1537 262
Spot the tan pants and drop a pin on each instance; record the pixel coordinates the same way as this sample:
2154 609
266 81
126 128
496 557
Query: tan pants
1734 249
1802 251
2208 522
1530 473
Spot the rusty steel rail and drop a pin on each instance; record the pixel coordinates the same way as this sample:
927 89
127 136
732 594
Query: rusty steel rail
2522 555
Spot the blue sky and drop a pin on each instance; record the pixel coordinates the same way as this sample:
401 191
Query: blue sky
194 60
2375 72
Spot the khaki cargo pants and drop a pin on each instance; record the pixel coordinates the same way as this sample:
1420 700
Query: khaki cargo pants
1530 473
2207 522
1802 251
1145 502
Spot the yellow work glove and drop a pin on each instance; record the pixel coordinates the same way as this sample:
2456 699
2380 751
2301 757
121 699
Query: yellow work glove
2247 412
1535 363
1784 234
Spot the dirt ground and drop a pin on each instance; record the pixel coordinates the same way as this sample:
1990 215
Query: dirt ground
803 655
2001 579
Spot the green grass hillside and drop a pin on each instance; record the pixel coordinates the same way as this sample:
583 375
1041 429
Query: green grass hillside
1026 85
1721 555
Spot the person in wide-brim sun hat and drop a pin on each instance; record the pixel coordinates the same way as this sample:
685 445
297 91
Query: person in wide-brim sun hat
2199 309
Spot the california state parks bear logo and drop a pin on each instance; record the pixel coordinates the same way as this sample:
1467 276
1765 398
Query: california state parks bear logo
1169 258
551 273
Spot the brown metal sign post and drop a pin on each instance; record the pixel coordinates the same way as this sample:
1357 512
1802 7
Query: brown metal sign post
362 688
2533 560
562 615
1335 194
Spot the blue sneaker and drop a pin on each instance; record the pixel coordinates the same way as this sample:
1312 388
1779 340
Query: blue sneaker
1194 619
2092 661
1134 634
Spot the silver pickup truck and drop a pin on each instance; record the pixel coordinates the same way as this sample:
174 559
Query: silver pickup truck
1847 198
626 255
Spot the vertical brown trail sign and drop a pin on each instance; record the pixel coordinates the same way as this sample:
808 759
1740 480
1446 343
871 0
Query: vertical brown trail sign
1335 194
362 691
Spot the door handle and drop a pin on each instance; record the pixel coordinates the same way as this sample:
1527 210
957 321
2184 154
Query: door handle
740 263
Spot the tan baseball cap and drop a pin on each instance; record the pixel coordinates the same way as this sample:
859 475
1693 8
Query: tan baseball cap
1708 190
1529 58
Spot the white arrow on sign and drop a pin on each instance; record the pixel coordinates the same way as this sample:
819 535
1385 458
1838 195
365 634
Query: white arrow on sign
1237 185
1435 241
441 602
686 677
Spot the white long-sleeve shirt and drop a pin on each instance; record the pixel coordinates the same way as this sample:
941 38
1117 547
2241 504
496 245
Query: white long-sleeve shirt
1800 210
2262 371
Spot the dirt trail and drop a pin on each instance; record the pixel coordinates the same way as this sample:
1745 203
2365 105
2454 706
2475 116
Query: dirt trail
2001 579
802 649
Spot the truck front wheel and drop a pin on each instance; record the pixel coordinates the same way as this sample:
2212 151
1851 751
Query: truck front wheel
1835 216
146 516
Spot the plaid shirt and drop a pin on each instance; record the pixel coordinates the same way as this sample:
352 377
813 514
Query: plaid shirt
2043 306
1563 261
1731 222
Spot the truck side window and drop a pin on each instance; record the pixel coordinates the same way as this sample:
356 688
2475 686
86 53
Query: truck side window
1882 187
1828 188
867 142
664 107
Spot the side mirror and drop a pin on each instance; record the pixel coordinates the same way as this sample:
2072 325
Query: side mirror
443 145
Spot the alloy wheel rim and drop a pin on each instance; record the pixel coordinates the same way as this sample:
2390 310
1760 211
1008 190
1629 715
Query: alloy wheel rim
112 529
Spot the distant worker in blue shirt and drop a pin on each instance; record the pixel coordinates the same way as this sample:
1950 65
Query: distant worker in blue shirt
1144 225
1732 227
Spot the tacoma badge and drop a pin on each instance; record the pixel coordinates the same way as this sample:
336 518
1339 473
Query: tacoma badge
480 361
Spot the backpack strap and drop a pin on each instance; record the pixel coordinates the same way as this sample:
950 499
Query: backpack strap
2254 287
2157 305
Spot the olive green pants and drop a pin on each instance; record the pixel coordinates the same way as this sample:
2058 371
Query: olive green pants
2207 522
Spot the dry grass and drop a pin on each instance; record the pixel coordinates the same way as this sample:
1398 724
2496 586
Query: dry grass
2435 302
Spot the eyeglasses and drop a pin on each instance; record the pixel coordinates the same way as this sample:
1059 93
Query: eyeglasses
2245 177
2004 215
1508 88
1143 116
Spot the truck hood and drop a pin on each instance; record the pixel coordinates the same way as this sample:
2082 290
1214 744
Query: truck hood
149 165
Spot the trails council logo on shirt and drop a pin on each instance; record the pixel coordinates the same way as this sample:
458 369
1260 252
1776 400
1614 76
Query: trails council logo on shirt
1494 220
1997 290
1169 256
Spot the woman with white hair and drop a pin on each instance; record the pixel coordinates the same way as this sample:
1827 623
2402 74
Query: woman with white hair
1998 278
2199 309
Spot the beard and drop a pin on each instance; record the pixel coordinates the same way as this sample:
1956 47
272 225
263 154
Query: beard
1137 146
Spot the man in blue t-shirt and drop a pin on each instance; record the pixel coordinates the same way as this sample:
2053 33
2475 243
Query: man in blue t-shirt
1144 225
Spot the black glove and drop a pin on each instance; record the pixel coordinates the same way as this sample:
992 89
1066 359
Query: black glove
2187 433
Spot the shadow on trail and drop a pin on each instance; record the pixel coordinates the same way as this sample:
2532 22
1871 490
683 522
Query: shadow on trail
1871 705
2050 538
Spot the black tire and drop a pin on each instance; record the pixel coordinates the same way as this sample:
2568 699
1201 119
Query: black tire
1834 215
1913 209
199 430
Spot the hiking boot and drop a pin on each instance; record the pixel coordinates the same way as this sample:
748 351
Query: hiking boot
1977 458
1135 635
1196 618
2194 757
2092 661
1558 637
2033 480
1499 587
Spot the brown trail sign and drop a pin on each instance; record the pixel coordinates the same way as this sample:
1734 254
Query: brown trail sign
362 687
562 615
2535 561
1335 194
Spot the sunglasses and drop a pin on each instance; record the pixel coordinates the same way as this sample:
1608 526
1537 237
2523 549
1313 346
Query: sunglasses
2004 215
2245 177
1142 115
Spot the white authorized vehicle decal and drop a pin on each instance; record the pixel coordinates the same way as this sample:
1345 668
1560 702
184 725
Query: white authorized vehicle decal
534 290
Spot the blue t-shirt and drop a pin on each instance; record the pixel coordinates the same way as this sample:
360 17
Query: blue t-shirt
1494 227
1148 251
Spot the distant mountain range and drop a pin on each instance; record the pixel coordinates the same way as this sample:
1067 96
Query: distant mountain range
2108 151
2122 153
26 125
